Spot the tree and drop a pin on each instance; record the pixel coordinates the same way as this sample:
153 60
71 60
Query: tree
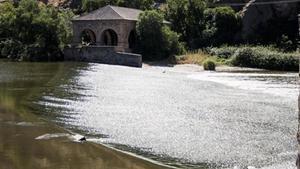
222 24
7 19
39 32
156 40
187 17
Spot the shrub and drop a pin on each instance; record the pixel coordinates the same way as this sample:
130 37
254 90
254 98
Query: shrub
224 52
286 44
260 57
209 64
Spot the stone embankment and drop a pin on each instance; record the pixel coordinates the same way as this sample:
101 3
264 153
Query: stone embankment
102 54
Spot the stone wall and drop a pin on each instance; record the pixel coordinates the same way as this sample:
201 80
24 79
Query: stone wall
121 27
102 54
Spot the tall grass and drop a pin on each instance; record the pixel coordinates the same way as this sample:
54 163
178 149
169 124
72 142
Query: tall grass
264 57
192 57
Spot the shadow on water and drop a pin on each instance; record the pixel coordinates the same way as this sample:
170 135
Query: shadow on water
22 84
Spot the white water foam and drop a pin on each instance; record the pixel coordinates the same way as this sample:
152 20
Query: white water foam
284 85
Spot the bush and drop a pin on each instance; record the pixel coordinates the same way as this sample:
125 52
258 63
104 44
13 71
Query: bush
156 40
209 64
286 44
259 57
224 52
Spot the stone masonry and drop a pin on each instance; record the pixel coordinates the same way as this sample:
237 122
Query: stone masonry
106 35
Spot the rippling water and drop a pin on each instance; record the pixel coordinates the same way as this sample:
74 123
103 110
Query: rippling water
221 120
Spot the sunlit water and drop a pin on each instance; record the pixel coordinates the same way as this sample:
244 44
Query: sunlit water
205 119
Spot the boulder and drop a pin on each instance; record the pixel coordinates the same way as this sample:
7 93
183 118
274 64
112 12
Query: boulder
257 16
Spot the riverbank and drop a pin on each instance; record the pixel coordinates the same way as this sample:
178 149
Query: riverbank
262 57
193 68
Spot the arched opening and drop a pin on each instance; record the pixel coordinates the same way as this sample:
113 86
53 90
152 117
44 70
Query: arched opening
132 39
110 38
88 37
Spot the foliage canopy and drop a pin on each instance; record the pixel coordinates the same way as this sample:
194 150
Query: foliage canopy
156 40
33 31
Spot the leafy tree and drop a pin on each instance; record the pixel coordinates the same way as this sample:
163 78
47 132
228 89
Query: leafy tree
222 24
187 17
7 19
40 31
156 40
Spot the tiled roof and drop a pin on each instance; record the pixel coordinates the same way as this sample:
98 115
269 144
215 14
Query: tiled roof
112 13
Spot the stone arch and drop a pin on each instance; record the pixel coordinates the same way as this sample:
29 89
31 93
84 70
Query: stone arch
88 37
109 38
132 39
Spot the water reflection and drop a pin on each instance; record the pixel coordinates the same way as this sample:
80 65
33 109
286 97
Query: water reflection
21 85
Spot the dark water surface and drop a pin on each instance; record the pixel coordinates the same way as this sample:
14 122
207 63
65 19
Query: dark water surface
190 120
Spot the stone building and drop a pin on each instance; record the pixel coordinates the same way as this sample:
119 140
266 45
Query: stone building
106 35
108 26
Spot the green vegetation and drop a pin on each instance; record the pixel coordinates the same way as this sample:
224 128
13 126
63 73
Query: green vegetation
30 30
222 24
209 64
33 31
156 40
187 18
260 57
244 56
201 26
192 57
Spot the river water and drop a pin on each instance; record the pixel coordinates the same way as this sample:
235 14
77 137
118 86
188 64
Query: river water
179 118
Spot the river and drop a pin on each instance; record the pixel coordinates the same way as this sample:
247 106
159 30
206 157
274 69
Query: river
185 119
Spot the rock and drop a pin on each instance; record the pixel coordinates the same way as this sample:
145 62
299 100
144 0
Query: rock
79 138
257 14
82 139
